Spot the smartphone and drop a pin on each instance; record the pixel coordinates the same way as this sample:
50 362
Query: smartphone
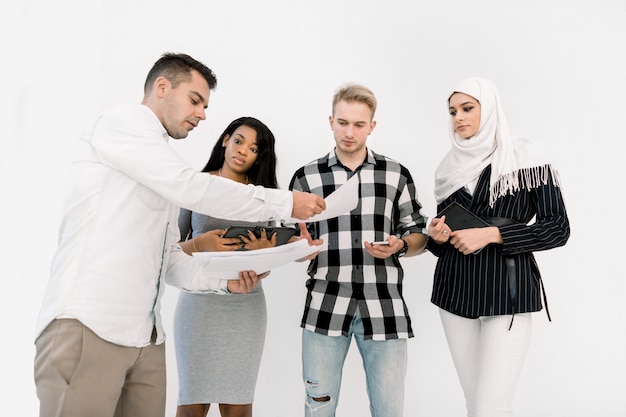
381 242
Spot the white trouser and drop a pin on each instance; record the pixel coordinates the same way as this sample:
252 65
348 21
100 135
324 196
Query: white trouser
488 358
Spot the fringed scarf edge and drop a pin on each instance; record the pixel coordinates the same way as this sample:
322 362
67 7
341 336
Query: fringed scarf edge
523 179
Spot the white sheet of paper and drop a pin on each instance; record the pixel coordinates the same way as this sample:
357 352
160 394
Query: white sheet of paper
227 265
341 201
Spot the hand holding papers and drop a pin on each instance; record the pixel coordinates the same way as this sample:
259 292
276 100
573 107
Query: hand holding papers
226 265
343 200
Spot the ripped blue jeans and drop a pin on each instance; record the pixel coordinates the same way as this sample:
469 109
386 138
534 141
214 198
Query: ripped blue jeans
384 363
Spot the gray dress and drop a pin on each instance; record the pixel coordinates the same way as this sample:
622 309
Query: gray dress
218 338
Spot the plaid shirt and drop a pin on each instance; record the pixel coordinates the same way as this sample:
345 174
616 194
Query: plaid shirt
344 276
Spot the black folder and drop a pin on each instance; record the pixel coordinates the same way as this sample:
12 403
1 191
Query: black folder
458 217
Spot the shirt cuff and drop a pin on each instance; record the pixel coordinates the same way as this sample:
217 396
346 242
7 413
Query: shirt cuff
279 203
224 287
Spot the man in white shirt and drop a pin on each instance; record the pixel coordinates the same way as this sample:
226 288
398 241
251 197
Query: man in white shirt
99 338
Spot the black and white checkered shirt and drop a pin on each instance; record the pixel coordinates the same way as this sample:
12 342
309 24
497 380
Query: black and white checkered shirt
344 276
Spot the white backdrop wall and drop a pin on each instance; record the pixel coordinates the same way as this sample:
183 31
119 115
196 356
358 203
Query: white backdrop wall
560 69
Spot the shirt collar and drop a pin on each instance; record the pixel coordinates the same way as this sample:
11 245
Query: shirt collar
369 159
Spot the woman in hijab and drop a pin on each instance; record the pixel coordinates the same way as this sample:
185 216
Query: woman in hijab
486 281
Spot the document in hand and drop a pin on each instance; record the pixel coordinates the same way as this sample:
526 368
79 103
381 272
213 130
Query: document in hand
227 265
341 201
458 217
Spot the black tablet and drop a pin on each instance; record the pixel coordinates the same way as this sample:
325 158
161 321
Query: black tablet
282 237
458 217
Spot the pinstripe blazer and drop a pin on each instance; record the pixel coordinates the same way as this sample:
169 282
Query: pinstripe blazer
476 285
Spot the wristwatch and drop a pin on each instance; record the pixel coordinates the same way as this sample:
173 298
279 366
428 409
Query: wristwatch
404 249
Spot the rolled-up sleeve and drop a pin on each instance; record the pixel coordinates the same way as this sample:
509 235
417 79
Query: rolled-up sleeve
410 217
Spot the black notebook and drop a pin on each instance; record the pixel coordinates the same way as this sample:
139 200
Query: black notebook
458 217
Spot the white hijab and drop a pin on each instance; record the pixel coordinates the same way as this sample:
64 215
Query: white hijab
492 144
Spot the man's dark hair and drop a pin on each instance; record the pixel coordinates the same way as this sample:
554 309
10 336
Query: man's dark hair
177 69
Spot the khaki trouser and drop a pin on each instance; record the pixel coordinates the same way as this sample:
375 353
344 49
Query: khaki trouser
79 374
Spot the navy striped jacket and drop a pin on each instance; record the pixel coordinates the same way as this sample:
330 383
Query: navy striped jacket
476 285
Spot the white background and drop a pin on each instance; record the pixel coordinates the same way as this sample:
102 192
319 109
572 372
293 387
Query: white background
560 70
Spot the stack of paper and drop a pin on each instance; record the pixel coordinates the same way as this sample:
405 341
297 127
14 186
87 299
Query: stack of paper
227 265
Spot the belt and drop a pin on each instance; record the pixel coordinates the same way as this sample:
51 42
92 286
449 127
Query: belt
510 269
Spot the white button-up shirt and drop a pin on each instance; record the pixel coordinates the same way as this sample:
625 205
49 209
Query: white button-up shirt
118 241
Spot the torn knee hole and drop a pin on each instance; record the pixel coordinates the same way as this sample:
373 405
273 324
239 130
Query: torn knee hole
312 389
321 399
